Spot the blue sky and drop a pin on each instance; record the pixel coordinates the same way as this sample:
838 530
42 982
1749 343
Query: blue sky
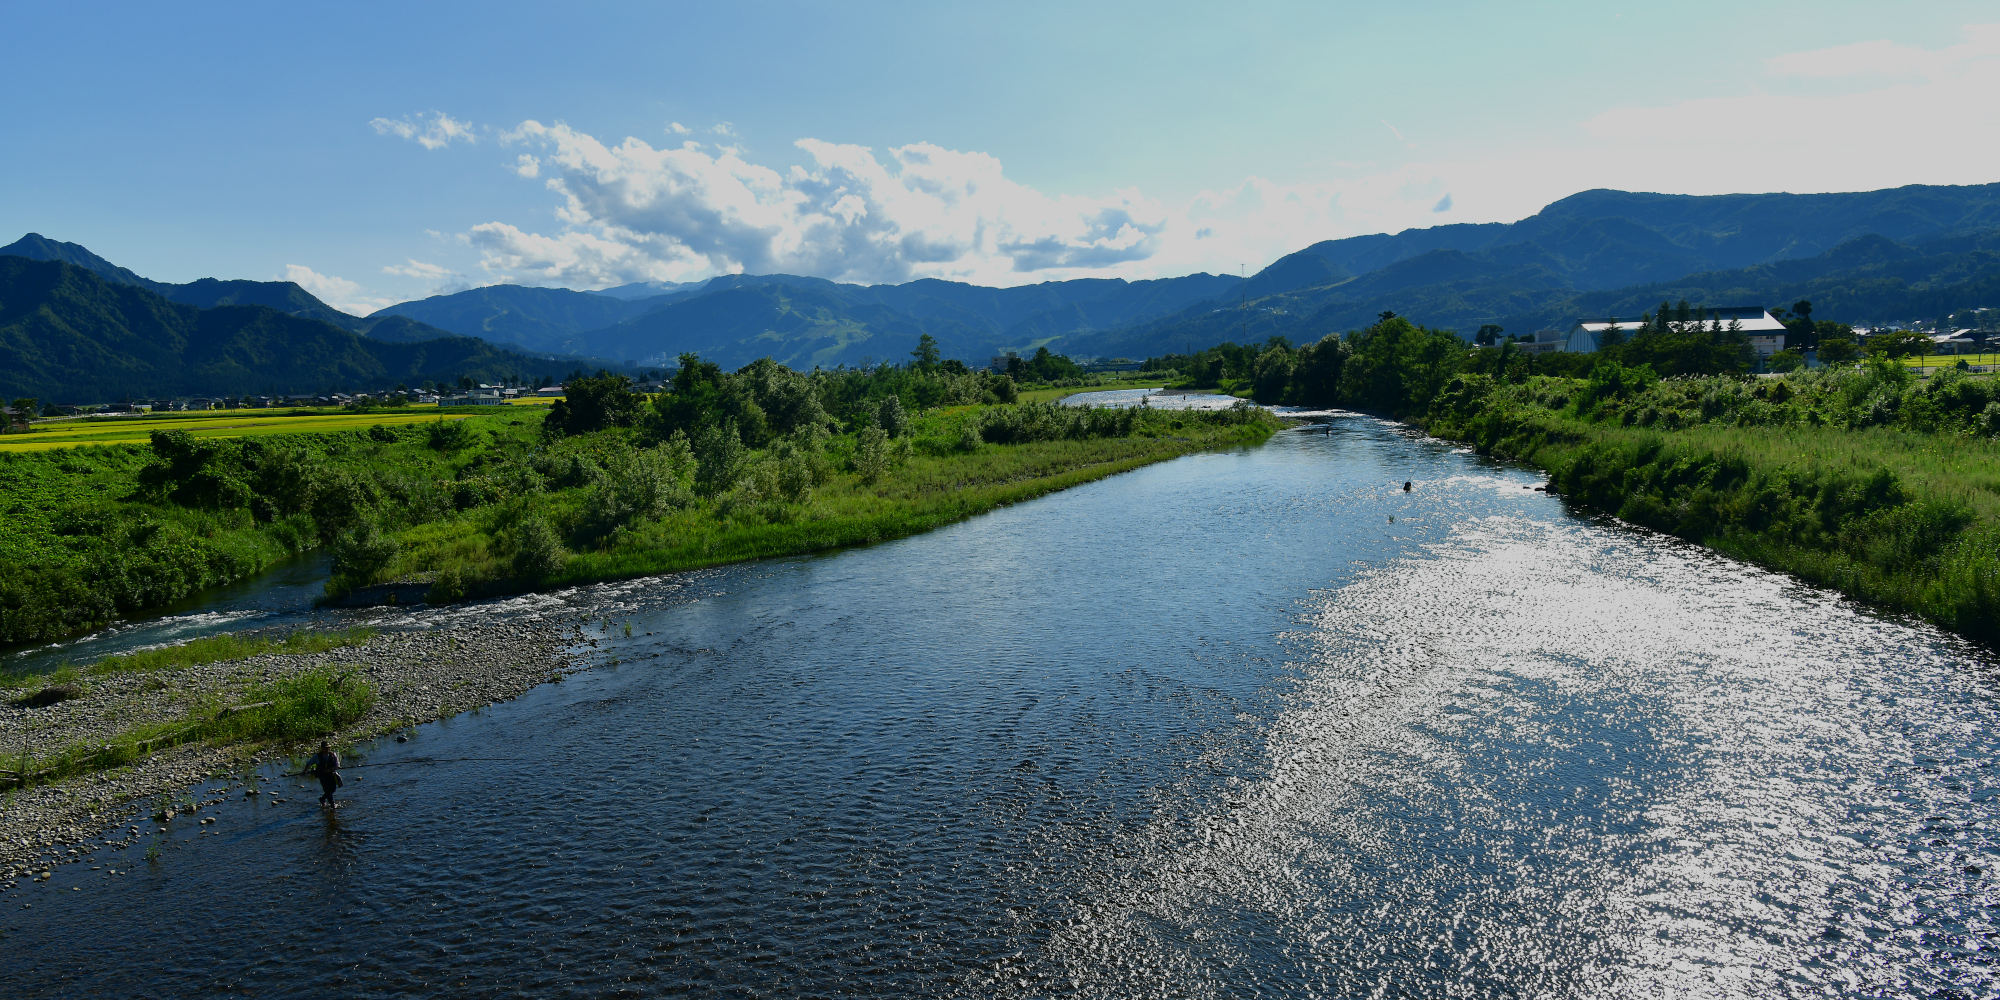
381 152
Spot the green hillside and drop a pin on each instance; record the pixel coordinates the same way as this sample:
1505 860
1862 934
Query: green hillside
67 335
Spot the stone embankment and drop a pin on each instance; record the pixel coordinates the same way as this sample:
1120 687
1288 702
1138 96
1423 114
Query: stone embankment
417 677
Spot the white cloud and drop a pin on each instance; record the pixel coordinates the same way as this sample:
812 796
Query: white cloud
633 212
340 293
439 131
1854 117
1887 58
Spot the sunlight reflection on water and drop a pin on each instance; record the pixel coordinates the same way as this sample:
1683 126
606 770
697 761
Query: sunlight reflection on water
1242 724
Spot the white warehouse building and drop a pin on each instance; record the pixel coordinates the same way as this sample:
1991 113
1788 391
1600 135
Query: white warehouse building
1766 333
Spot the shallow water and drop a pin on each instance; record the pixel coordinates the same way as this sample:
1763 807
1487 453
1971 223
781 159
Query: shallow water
1257 723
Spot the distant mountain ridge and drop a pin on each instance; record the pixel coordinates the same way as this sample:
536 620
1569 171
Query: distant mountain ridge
1875 254
208 293
803 320
68 335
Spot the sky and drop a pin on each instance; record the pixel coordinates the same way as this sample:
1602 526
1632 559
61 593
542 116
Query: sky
382 152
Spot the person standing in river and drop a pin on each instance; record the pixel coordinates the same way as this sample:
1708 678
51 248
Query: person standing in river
325 765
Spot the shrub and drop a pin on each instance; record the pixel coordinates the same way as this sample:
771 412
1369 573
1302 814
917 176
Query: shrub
890 416
448 587
718 456
358 555
448 435
538 552
871 454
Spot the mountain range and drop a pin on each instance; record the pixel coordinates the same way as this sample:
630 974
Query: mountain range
69 335
1899 253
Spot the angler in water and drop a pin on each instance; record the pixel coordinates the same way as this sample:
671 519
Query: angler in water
325 765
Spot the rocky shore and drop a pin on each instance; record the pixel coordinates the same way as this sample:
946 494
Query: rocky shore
417 677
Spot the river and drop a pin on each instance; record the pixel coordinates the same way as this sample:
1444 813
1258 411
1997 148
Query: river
1243 724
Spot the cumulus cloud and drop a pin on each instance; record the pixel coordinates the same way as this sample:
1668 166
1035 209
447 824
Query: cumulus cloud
436 132
633 212
1854 117
340 293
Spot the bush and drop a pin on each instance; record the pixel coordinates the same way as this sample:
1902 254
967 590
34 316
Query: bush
449 435
358 555
890 416
871 454
538 552
718 457
448 587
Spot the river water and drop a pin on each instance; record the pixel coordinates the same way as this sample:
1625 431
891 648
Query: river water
1244 724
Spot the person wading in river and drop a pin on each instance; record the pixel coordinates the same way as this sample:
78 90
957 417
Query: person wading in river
325 765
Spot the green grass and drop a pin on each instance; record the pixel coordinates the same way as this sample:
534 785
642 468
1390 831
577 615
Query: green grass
71 433
1951 360
295 709
87 544
1903 514
195 652
935 485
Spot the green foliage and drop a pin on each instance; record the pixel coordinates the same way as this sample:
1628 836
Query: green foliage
594 404
208 649
1900 344
538 550
447 435
72 337
359 555
1838 351
718 455
498 504
195 473
871 454
295 709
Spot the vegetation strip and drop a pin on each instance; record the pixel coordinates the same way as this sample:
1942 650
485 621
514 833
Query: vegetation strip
135 740
604 483
1862 477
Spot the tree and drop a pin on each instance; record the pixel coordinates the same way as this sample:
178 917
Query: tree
1838 351
593 404
1901 344
927 354
24 409
1488 334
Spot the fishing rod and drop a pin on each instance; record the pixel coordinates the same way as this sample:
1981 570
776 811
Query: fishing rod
419 760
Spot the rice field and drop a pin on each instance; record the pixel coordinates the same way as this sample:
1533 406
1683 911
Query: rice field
226 424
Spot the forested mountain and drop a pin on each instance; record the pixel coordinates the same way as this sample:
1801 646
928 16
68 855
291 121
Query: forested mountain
67 335
799 325
542 319
1896 254
735 319
207 293
1903 253
35 246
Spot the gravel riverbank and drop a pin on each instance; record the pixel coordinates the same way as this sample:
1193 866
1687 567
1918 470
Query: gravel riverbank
417 677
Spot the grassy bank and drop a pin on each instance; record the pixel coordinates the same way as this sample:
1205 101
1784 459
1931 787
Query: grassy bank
1864 481
940 471
604 484
289 710
75 432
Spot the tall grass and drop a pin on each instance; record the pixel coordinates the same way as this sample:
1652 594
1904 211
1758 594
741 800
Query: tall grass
195 652
1904 519
295 709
